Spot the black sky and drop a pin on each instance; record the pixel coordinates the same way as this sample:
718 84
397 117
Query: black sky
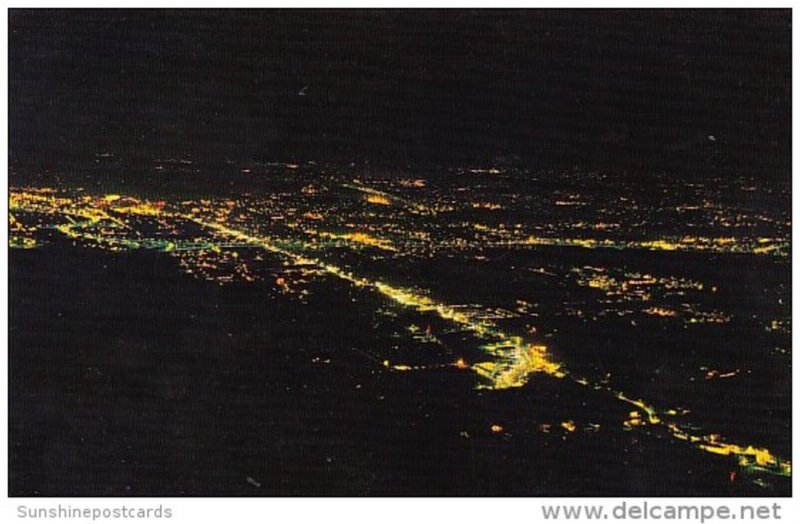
597 89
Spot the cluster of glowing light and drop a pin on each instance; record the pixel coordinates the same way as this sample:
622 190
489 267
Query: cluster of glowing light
513 360
491 206
311 215
660 312
715 374
670 297
362 239
139 208
378 199
20 242
632 286
417 183
634 420
20 234
750 458
758 246
375 196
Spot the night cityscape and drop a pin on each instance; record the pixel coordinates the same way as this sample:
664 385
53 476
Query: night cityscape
372 253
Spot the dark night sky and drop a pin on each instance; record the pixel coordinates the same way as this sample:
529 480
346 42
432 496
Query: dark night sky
597 89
